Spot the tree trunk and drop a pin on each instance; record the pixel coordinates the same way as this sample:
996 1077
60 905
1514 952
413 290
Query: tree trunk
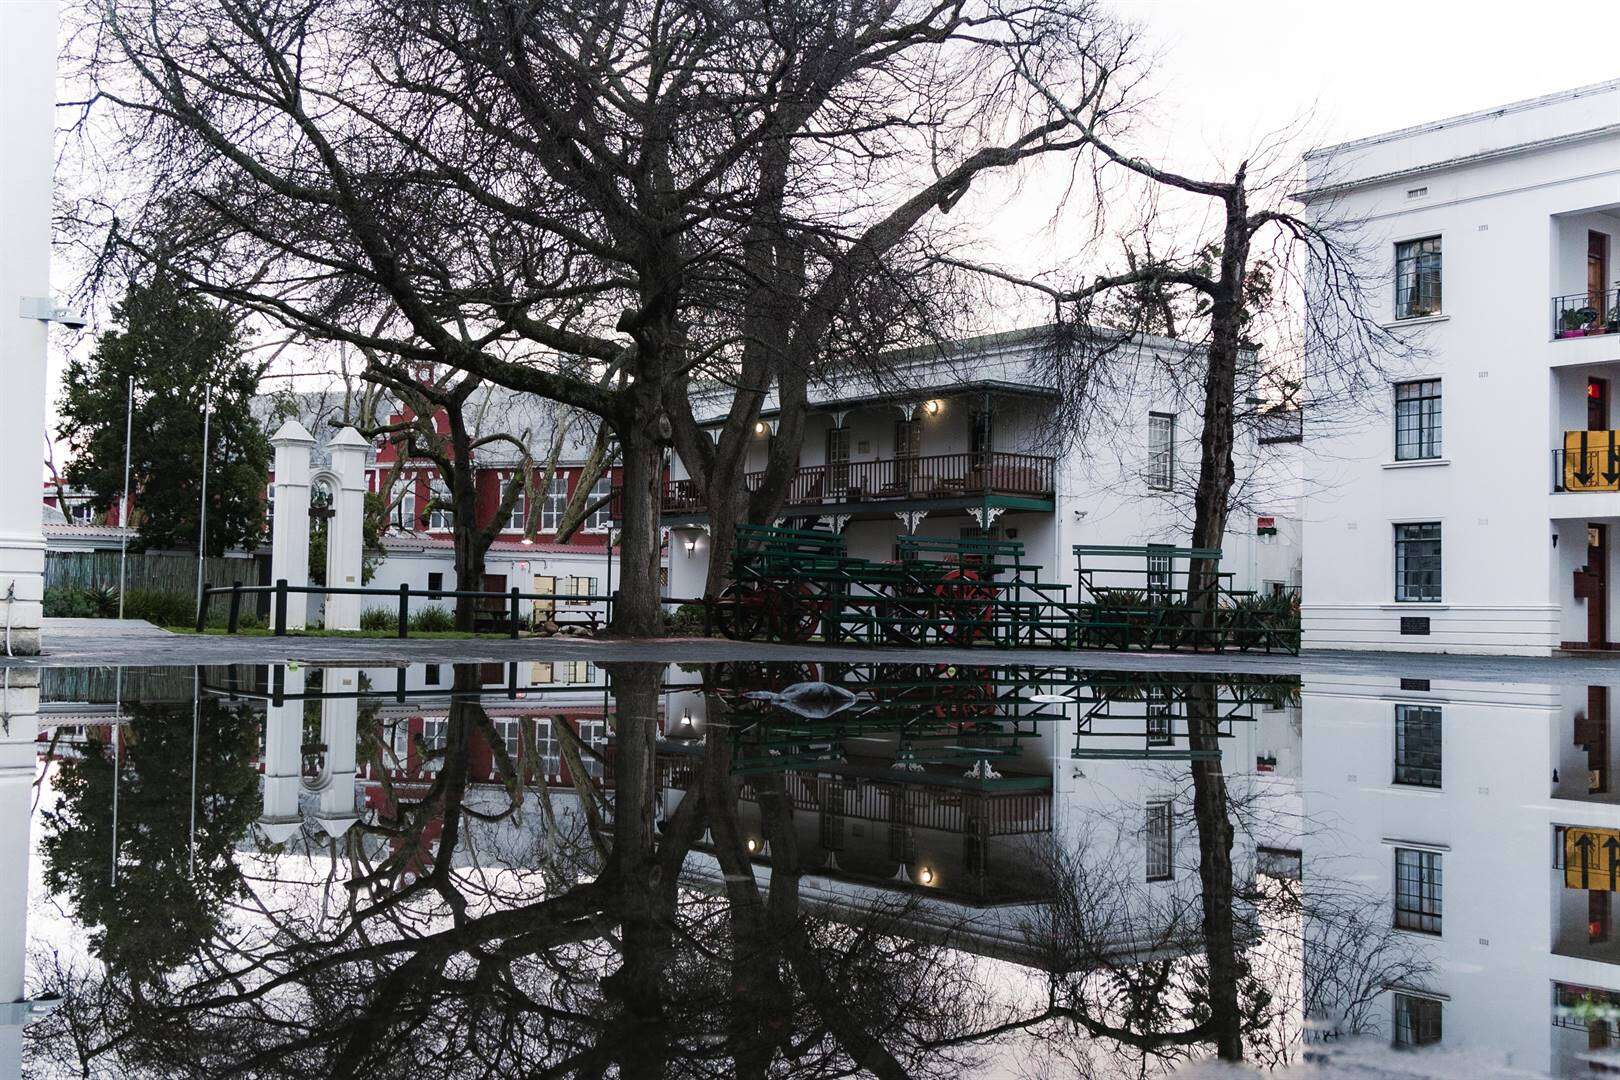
1215 871
637 611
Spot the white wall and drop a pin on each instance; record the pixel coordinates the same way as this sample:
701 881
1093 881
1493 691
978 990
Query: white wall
27 123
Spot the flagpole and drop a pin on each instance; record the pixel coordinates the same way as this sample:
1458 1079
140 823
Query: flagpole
123 507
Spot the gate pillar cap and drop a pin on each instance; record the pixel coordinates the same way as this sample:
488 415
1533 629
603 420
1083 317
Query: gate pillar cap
292 433
346 437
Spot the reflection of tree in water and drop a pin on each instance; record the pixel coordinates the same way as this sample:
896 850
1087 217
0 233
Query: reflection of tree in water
409 952
158 912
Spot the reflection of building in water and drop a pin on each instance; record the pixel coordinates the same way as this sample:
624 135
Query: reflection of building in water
955 784
19 725
1486 815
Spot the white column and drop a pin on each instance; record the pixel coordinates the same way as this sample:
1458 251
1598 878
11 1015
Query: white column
27 127
289 537
19 707
280 819
345 535
339 717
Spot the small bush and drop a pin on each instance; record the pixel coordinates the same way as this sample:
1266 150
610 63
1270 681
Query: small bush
433 620
169 608
376 618
686 619
68 602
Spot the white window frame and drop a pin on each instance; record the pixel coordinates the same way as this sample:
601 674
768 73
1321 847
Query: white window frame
440 519
601 519
555 501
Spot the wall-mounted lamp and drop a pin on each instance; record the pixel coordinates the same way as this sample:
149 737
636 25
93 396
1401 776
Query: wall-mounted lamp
932 406
752 845
760 427
686 719
926 875
691 545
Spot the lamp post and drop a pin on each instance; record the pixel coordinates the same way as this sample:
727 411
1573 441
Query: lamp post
123 506
202 515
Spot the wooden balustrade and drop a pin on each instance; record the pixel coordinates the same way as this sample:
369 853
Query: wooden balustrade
924 476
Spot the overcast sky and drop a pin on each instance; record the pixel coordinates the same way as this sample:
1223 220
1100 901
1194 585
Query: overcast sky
1232 71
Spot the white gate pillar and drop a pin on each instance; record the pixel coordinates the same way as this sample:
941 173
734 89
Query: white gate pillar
345 531
280 819
19 711
289 536
339 728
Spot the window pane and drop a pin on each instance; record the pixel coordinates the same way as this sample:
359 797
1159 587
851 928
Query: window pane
1417 420
1417 278
1161 463
1417 561
1417 1020
1158 841
1418 885
1417 745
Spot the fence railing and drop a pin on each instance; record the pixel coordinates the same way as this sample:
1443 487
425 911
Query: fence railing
503 608
1586 313
923 476
1588 461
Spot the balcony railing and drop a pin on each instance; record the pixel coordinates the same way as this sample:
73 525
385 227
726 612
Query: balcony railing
1588 461
928 476
1587 313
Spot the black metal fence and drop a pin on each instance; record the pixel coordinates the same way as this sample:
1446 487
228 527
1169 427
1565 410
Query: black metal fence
1586 313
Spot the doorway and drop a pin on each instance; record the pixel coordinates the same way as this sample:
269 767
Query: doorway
1597 273
544 584
1597 586
1597 404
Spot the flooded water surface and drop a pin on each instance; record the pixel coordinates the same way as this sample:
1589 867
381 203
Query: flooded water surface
803 870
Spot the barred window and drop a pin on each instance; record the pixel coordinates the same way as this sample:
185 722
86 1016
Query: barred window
1417 1020
1161 462
1417 745
1417 420
1418 888
1417 561
1159 840
1417 278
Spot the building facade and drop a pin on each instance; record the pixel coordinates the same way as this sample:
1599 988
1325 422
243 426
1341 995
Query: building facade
1474 503
965 441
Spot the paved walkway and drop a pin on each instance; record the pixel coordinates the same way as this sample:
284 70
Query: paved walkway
100 642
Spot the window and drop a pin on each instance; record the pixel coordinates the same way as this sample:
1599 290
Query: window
1160 731
80 512
539 673
1417 561
1417 745
1159 841
1418 885
1158 573
440 518
1417 1020
430 744
1417 278
405 506
551 511
435 582
430 675
516 521
837 458
1161 462
601 517
547 752
980 438
907 444
580 586
1417 420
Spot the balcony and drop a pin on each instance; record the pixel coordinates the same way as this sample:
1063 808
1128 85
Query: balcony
1589 461
1586 314
929 478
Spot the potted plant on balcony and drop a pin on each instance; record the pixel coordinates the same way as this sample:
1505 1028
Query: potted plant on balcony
1576 322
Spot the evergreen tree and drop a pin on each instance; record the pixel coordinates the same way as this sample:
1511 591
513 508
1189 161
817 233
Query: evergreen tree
175 343
158 913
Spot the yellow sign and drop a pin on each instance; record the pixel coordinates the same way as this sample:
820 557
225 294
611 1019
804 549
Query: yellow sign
1591 461
1592 859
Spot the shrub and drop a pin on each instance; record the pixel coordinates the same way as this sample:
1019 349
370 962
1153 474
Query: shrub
169 608
376 618
686 619
68 602
433 620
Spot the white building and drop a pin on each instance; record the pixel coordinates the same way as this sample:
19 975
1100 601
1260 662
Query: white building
1461 515
960 442
1462 802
